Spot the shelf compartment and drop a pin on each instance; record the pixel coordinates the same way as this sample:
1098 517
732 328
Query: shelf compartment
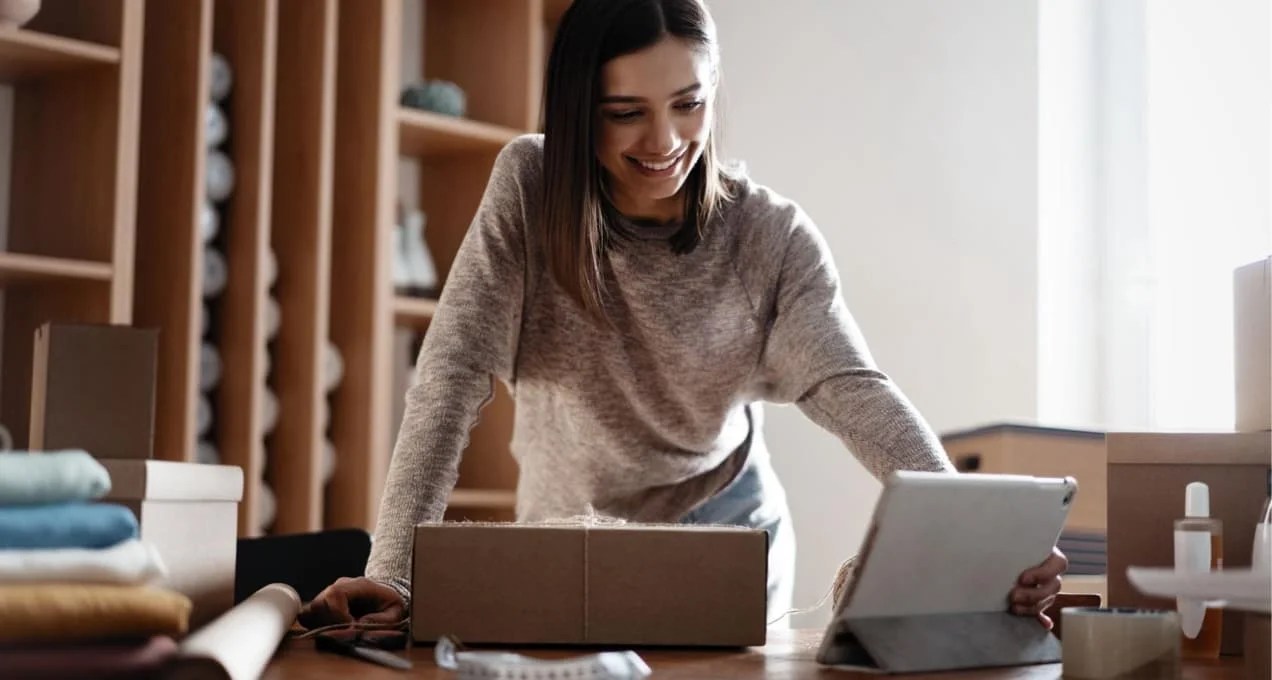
425 134
369 46
245 33
304 128
169 252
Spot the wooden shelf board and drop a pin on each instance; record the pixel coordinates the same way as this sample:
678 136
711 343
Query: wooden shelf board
482 498
27 55
413 311
22 268
424 134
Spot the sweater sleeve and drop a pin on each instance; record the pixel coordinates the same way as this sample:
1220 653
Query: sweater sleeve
471 341
816 357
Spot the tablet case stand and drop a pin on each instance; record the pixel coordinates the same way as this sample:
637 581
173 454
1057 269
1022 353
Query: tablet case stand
939 642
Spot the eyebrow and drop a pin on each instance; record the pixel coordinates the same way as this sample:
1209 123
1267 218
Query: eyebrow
628 99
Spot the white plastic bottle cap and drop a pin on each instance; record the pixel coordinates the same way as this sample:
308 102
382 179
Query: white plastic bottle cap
1197 500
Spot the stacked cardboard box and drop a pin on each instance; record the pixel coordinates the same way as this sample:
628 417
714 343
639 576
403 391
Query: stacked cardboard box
93 388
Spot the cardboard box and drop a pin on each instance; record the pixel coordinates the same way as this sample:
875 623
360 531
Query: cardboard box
188 511
1147 474
605 585
93 388
1252 347
1040 451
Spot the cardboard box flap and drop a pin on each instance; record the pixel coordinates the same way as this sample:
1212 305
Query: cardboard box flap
173 481
1190 448
599 584
471 583
627 570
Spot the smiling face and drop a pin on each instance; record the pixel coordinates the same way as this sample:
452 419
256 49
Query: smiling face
654 121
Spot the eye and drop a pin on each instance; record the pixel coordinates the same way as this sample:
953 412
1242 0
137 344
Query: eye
690 106
622 115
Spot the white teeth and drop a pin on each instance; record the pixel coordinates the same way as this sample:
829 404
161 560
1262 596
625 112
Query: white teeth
657 167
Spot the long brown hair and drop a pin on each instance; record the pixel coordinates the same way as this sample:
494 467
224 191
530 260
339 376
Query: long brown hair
575 233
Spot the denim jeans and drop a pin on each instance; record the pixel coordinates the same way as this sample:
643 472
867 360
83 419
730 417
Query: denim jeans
756 499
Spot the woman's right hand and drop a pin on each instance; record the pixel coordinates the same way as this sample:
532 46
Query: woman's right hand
353 600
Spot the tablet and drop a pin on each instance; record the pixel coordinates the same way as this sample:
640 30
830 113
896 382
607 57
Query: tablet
942 543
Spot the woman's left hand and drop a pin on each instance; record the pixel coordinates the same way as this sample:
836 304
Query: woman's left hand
1037 587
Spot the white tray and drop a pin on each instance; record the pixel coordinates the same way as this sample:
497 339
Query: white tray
1232 589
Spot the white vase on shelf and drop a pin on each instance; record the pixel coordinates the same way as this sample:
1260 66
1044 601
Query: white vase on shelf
423 272
328 460
401 264
206 453
269 412
220 78
216 127
215 272
266 506
203 415
219 180
333 367
271 268
209 221
209 367
273 318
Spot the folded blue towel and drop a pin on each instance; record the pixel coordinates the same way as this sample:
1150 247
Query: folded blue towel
53 477
66 525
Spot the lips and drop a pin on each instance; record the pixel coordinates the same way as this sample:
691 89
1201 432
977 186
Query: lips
656 167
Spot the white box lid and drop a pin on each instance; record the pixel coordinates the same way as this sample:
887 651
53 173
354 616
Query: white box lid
172 481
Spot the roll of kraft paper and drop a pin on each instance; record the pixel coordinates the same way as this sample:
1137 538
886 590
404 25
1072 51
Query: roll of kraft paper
1117 643
239 644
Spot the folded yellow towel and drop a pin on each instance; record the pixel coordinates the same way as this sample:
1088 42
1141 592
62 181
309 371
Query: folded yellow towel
48 612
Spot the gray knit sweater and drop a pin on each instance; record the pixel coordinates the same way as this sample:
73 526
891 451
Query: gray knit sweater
647 419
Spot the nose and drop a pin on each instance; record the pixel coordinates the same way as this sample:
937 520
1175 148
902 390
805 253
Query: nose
662 138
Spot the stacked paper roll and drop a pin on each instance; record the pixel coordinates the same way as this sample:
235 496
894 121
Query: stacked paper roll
239 644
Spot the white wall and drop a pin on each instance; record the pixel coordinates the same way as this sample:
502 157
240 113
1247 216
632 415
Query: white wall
907 130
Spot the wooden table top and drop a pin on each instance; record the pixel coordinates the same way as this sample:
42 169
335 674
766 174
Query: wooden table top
789 654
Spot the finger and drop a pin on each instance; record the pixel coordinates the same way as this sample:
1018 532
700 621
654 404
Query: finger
1044 605
1055 565
329 607
390 615
1046 621
1031 596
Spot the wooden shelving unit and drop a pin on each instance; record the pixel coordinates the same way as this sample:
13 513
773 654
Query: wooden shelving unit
31 55
316 136
170 193
454 157
19 268
425 135
246 33
361 305
76 72
302 229
170 250
413 312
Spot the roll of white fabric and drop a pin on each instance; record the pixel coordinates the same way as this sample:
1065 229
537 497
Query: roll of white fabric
131 562
239 644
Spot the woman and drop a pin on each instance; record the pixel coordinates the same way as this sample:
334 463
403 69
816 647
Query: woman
640 299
